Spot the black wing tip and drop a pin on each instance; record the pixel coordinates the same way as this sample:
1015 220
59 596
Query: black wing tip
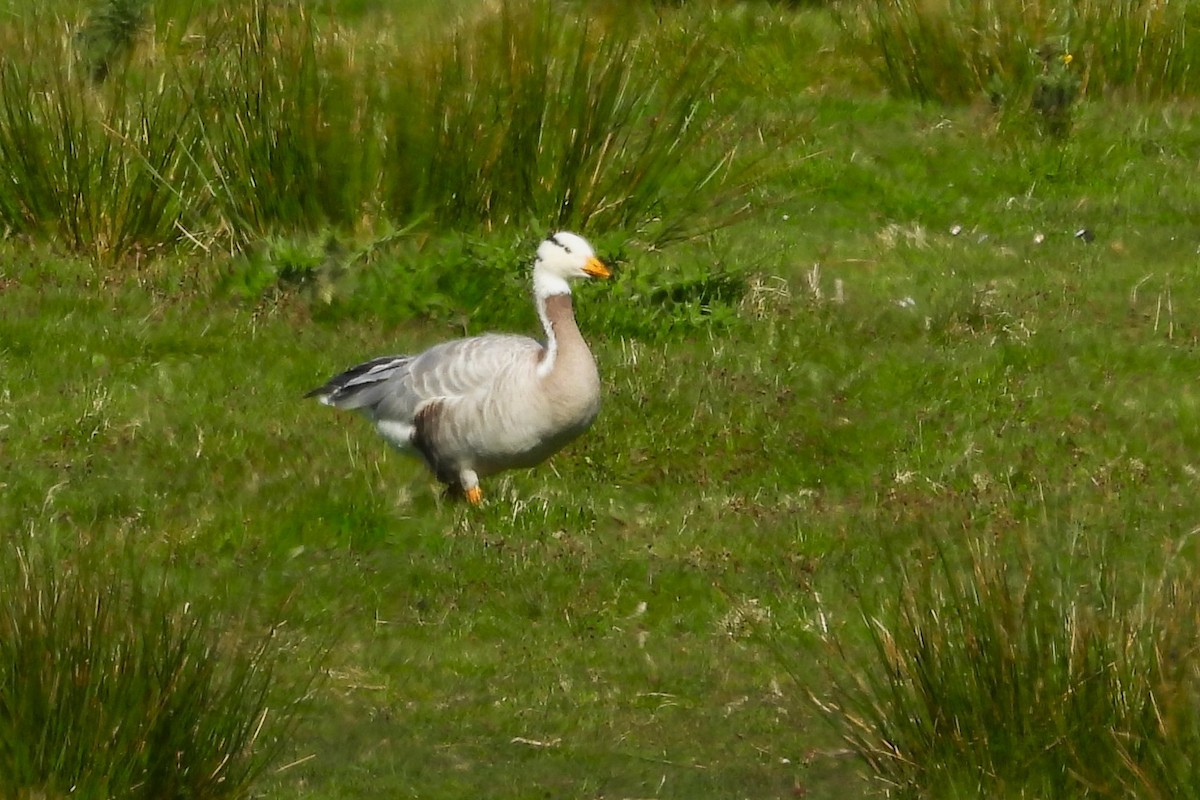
338 382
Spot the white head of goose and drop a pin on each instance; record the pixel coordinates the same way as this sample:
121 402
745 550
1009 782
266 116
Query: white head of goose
474 407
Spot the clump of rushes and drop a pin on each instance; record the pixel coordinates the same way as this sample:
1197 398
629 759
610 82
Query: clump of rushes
988 677
1160 750
246 121
111 689
288 123
535 113
101 170
956 50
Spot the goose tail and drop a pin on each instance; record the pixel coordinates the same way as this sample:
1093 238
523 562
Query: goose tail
362 385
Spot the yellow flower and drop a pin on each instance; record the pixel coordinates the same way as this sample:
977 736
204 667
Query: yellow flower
1067 59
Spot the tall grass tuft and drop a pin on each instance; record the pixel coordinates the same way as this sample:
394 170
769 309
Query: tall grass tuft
109 688
987 677
102 170
956 50
534 113
1160 750
289 135
234 123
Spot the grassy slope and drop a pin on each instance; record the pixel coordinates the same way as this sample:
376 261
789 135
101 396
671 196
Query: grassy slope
1040 396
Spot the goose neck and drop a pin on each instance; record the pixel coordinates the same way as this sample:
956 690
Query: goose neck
547 284
558 322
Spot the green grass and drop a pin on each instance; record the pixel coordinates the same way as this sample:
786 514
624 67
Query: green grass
902 356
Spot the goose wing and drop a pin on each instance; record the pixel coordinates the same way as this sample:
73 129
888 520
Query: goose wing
394 387
455 369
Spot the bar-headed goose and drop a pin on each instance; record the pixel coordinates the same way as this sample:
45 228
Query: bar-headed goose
473 407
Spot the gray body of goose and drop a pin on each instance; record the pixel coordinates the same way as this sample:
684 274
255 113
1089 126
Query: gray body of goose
474 407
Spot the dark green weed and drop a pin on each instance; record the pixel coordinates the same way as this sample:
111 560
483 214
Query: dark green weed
110 34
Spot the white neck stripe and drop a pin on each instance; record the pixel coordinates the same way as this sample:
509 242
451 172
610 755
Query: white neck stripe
547 363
